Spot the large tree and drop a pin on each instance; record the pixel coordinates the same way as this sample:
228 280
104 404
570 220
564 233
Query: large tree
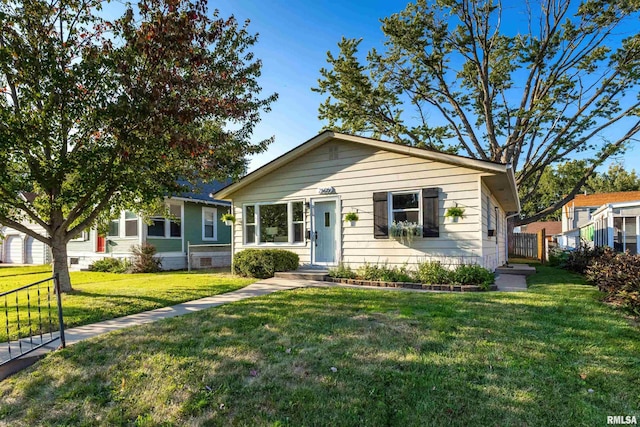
98 115
616 178
457 75
554 184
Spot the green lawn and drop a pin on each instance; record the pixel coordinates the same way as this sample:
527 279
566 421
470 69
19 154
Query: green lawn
553 355
102 296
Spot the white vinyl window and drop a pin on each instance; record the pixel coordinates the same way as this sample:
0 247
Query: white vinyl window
209 224
491 231
114 228
274 223
130 224
405 206
250 224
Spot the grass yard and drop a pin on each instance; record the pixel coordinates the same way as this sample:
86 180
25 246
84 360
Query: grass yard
348 357
102 296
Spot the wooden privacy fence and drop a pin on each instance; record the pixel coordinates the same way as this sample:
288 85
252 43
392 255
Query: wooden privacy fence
528 245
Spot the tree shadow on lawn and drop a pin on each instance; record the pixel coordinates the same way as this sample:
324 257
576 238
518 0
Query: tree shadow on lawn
399 359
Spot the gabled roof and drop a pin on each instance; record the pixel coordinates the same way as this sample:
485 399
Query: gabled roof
202 191
500 178
596 200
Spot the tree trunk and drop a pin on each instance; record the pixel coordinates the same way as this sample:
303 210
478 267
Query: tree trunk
60 266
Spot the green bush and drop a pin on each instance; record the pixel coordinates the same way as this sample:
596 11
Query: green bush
432 273
342 271
143 259
263 263
618 276
578 260
384 273
472 275
558 257
109 265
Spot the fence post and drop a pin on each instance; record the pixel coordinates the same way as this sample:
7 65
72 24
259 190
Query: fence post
188 256
541 253
56 282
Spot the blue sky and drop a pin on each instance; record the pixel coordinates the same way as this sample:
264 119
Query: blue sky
294 37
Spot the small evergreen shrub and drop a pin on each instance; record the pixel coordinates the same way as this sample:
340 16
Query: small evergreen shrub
432 273
342 271
143 259
263 263
618 276
472 274
109 265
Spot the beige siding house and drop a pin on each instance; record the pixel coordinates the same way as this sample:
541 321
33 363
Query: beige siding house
298 202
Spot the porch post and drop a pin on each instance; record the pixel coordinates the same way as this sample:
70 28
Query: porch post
610 227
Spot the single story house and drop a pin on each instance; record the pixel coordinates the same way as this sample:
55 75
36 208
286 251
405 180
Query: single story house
299 202
195 230
579 211
616 225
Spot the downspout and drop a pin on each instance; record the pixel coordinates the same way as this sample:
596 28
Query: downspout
232 211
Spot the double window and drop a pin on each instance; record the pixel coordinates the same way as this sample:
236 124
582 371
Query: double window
167 227
130 229
276 223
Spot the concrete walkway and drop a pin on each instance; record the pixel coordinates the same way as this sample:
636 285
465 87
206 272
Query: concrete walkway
505 282
511 282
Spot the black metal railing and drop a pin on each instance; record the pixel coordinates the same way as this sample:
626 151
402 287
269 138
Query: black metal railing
33 318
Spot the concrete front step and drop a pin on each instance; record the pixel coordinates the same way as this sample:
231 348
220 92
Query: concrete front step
520 269
303 274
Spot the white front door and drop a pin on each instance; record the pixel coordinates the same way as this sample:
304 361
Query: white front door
325 233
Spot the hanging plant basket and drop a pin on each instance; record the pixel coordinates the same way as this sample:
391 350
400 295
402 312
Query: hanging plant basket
454 213
352 217
228 219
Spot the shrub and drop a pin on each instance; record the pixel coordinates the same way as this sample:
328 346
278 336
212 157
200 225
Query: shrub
109 265
558 257
143 260
618 276
263 263
578 260
342 271
383 273
472 275
432 273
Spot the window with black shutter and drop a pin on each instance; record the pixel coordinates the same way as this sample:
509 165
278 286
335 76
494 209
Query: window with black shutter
430 213
380 215
405 207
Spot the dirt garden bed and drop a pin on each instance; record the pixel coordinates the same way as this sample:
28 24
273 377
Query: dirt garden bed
406 285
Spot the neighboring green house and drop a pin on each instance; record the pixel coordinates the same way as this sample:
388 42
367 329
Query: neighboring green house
195 232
